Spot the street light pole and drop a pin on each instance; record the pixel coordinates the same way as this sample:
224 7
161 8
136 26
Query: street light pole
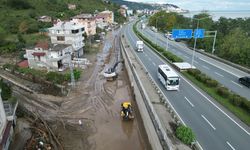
167 42
195 39
214 42
155 29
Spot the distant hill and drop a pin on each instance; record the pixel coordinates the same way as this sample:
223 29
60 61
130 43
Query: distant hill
134 5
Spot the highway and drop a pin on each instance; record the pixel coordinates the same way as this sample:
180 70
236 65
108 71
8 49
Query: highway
215 128
223 73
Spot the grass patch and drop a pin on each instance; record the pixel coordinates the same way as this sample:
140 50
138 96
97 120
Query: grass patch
239 112
31 39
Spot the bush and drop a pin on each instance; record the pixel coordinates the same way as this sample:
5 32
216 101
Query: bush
55 77
185 134
236 100
6 90
212 83
222 91
201 77
194 72
77 75
245 104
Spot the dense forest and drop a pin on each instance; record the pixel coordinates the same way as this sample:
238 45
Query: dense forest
19 25
233 35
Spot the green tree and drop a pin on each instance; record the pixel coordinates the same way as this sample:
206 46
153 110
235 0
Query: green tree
23 27
6 90
2 36
185 134
235 47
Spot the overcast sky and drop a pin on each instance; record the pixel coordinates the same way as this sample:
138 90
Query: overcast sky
205 4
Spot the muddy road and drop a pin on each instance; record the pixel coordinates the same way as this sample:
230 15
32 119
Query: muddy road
89 117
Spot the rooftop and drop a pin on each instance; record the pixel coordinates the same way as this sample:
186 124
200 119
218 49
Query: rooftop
59 47
83 16
67 25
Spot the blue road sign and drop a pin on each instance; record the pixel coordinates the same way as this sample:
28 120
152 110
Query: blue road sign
199 33
182 33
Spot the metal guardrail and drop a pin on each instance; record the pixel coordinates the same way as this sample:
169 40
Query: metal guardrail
154 117
195 145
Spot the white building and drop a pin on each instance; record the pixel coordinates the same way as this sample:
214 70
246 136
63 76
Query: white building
104 19
88 21
68 33
54 57
130 12
7 120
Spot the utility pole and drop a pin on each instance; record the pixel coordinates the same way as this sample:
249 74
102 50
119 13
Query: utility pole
71 70
195 39
214 42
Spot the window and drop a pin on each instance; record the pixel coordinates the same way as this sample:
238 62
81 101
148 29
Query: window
82 29
162 74
74 31
173 81
60 38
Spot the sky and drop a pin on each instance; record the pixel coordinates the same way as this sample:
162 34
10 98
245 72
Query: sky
197 5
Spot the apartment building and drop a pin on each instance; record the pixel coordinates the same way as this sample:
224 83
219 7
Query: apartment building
69 33
104 19
88 21
53 57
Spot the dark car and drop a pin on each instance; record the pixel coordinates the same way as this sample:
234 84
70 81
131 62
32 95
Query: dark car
245 81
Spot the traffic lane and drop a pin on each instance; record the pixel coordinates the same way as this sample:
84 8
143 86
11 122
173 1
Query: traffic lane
229 69
227 79
218 120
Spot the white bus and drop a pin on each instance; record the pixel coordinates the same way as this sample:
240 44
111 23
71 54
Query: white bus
168 77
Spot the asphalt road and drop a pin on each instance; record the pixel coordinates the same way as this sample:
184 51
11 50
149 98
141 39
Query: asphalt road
215 127
223 73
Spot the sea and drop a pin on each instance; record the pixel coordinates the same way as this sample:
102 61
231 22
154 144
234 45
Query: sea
227 14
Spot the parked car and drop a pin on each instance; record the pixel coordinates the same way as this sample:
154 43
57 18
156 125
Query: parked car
245 81
169 36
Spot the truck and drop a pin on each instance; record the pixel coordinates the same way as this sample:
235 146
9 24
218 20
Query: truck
139 46
143 26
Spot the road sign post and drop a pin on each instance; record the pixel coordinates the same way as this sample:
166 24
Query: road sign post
182 33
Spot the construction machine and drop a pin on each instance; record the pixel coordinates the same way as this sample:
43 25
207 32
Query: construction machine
126 111
110 74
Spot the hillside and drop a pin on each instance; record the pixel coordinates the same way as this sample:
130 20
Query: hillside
13 12
20 16
134 5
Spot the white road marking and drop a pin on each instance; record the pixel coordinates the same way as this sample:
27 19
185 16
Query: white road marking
208 122
189 102
230 145
219 74
206 67
177 52
186 56
154 64
219 67
207 98
217 107
169 101
237 84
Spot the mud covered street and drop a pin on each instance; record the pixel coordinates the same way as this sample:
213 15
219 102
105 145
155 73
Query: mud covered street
89 117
